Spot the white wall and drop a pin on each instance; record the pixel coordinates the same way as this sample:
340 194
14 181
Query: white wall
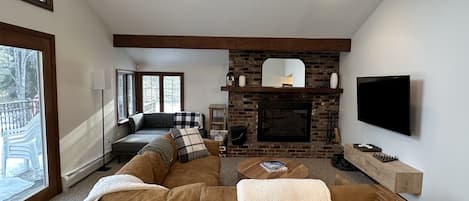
428 40
82 44
204 73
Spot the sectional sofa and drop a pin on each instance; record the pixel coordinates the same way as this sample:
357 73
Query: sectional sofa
198 180
143 128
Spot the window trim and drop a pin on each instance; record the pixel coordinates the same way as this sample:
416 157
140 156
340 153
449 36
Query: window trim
139 88
49 4
125 95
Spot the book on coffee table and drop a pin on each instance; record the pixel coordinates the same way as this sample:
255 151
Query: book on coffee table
274 166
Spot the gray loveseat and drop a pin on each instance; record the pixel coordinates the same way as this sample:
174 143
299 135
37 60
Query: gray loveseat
143 128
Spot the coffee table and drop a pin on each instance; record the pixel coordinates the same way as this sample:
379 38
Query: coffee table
251 169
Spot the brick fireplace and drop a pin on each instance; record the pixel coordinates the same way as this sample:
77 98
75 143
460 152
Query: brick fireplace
244 107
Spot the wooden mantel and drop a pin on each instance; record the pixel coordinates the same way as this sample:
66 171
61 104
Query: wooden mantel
282 90
232 43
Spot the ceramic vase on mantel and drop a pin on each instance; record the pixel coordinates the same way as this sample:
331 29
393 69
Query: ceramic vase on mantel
242 81
334 80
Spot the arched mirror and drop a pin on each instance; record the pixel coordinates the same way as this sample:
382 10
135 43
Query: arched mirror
277 72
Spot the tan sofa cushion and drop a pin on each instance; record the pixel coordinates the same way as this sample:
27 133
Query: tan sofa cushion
149 167
159 167
139 166
189 192
359 192
204 170
138 195
212 146
219 193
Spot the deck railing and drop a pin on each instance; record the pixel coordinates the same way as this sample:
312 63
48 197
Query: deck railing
17 113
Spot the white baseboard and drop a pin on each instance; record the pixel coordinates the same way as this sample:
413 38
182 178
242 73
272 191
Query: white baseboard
82 172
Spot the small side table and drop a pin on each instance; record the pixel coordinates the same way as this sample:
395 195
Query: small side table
217 116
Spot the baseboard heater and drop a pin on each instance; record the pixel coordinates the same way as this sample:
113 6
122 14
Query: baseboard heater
78 174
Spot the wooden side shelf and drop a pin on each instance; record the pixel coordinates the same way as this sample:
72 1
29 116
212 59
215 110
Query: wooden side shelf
396 176
282 90
217 116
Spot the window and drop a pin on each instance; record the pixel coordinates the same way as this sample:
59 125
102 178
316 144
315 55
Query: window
46 4
125 95
161 92
151 93
172 93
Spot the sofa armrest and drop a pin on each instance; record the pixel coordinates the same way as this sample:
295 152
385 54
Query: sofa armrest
135 122
212 146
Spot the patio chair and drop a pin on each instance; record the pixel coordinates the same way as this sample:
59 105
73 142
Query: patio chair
24 142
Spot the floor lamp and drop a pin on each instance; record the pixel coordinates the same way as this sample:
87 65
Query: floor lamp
99 83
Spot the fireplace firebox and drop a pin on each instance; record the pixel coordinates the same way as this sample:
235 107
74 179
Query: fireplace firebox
284 122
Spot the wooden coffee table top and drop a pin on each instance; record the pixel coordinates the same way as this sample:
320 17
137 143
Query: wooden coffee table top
250 168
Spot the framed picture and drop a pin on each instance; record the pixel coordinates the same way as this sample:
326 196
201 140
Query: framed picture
46 4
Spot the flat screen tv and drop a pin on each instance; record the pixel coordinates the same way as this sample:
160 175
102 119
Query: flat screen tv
385 102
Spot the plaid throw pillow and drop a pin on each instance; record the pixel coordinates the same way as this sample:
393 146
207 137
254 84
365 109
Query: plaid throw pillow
189 143
186 119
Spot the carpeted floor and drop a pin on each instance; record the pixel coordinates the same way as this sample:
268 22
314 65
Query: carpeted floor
79 191
318 169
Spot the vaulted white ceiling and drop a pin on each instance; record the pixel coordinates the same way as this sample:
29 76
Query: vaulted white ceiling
250 18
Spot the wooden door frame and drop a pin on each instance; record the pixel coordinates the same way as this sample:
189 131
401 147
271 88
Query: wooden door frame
16 36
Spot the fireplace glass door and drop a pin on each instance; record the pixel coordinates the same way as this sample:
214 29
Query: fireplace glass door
284 122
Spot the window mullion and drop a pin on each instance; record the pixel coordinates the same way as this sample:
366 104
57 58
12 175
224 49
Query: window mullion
161 77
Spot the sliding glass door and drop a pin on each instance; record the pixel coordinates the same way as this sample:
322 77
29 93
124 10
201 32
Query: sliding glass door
28 116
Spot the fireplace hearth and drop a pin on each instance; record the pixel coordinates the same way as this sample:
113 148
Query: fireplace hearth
284 122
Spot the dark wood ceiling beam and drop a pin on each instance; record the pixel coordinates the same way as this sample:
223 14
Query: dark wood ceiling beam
232 43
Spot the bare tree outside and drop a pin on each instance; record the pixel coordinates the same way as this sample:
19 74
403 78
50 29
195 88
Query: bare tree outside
18 74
